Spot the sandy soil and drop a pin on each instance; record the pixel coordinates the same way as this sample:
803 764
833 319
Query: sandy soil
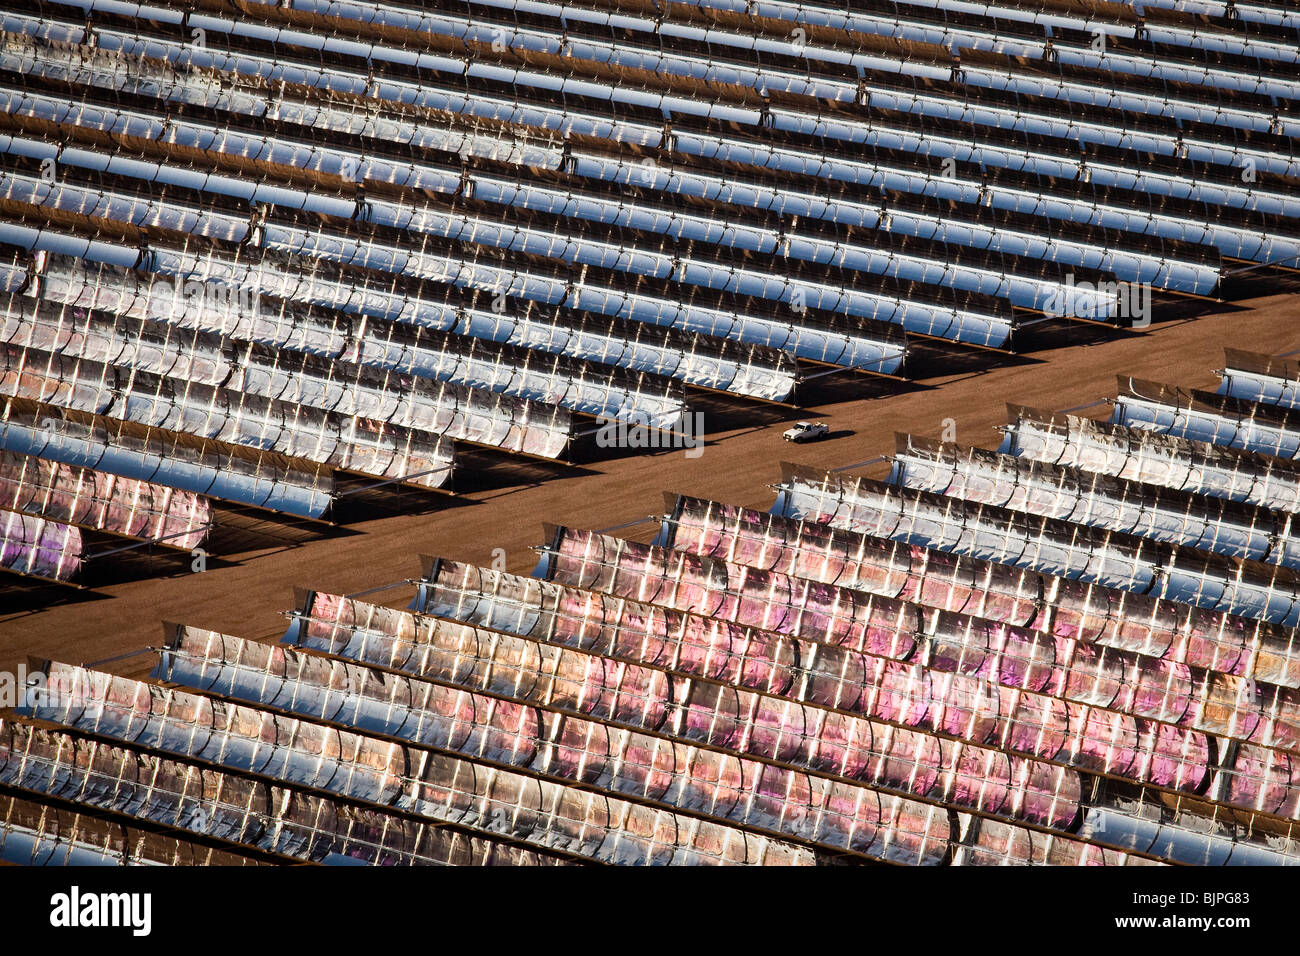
247 594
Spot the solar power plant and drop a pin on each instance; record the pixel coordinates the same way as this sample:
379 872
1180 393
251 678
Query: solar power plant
605 432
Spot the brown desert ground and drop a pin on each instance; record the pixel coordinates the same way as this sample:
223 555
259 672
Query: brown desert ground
247 592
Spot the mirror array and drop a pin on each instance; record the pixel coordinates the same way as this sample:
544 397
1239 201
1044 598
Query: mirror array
1078 648
248 249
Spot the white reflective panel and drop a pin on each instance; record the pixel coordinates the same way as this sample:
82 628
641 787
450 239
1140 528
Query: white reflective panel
438 786
1057 491
342 387
565 615
1261 378
93 499
1204 417
568 738
826 743
354 444
38 547
1154 458
1253 591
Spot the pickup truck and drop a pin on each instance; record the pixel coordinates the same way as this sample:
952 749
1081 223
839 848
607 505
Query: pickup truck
806 431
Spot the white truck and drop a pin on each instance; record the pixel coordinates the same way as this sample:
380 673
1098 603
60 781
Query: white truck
806 431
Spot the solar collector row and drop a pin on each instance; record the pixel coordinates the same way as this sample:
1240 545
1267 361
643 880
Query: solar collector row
1168 461
447 778
559 236
751 114
548 28
894 841
429 644
1188 135
424 348
439 306
1111 728
981 70
1204 416
723 188
39 548
848 340
429 411
452 590
220 470
366 342
1244 588
1254 14
1261 378
380 450
774 758
1222 646
1245 35
35 833
967 26
681 144
243 813
1207 524
103 502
